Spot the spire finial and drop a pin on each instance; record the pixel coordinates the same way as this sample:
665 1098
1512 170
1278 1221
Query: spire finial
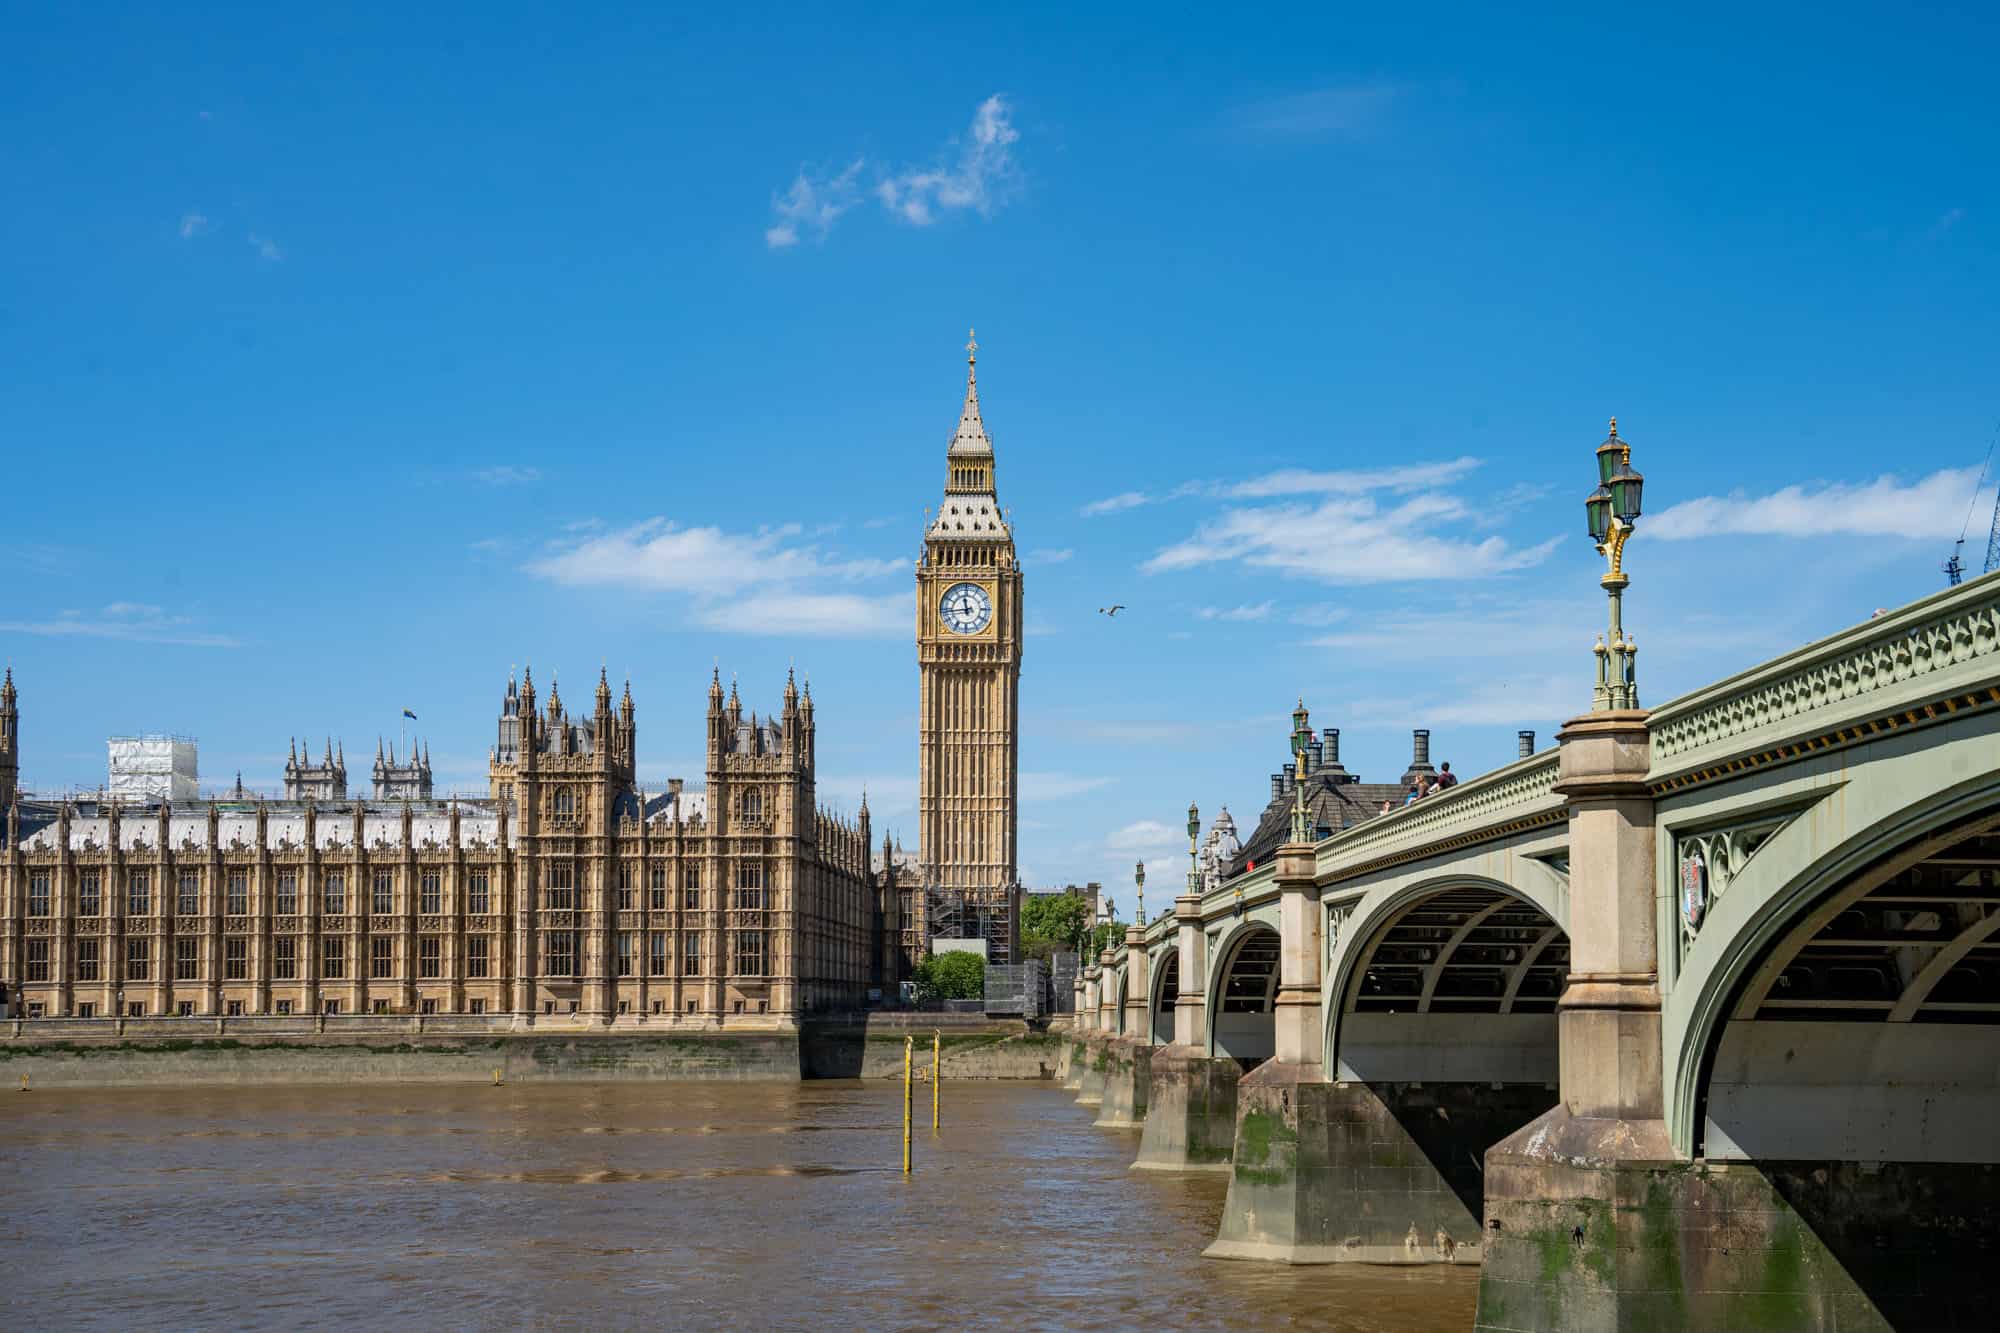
971 351
1614 428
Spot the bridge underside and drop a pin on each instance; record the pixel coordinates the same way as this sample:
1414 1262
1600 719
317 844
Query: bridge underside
1446 1043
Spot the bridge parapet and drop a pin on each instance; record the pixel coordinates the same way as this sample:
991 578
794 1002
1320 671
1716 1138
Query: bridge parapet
1922 661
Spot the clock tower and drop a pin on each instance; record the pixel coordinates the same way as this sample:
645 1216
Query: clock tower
969 665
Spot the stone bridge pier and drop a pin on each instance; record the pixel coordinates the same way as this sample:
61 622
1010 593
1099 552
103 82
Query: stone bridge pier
1191 1093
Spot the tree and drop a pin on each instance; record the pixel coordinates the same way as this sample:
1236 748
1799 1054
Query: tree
950 976
1110 935
1052 923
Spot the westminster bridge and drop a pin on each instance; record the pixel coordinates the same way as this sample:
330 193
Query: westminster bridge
1692 1021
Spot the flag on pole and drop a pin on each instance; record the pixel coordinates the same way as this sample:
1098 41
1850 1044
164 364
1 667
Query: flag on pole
407 713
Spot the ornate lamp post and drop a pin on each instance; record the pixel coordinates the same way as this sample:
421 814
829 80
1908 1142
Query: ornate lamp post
1194 861
1613 511
1302 829
1139 883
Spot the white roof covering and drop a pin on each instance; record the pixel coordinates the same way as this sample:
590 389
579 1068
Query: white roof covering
969 516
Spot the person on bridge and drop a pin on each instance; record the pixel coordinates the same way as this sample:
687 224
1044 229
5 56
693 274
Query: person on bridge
1446 778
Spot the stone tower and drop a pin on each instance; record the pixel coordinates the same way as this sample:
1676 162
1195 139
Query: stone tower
10 743
324 781
969 664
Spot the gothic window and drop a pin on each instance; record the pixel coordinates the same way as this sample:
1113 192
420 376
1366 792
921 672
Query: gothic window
383 900
90 894
625 945
749 885
561 894
333 960
86 960
565 803
238 893
430 957
431 894
38 893
693 875
138 959
187 960
561 954
477 956
189 900
753 804
38 965
749 953
626 900
138 894
288 893
235 958
656 954
381 958
478 896
690 955
659 900
285 958
335 894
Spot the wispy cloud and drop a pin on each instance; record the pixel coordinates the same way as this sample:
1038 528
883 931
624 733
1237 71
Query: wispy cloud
192 225
1058 786
1296 482
1339 110
508 474
1950 218
812 206
135 622
1261 611
1930 507
1351 541
1144 835
976 173
1048 557
266 248
767 581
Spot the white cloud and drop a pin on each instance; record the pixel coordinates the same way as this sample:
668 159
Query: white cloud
1050 557
1058 786
1320 614
812 206
1931 507
1351 541
508 474
1344 109
1950 218
822 615
266 248
768 581
1113 504
135 622
192 225
982 178
977 173
1145 835
1261 611
889 794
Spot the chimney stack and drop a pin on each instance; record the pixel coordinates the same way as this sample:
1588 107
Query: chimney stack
1313 753
1527 739
1277 785
1331 743
1420 751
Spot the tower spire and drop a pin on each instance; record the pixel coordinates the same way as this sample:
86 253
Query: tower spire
971 440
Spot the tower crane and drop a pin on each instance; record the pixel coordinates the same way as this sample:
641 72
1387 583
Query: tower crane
1954 568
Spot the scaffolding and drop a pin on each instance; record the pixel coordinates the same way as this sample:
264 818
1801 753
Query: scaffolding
981 914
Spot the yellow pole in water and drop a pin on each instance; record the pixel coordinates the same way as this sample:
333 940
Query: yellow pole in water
937 1076
909 1047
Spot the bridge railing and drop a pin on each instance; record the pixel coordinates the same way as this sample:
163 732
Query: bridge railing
1924 660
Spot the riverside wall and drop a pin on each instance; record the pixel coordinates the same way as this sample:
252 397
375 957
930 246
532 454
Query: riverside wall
400 1050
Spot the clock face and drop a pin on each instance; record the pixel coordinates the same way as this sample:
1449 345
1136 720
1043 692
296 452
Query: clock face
965 608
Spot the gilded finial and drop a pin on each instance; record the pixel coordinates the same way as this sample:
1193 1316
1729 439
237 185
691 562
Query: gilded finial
1614 428
971 347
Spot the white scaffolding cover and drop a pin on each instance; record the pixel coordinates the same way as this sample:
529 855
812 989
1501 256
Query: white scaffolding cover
153 768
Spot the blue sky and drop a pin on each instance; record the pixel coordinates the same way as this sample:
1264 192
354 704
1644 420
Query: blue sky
348 360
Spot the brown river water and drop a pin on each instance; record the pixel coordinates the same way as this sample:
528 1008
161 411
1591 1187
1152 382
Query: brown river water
698 1205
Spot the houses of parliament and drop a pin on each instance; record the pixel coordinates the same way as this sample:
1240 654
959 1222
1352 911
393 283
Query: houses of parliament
567 892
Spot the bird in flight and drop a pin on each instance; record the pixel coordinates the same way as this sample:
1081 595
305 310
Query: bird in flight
1111 610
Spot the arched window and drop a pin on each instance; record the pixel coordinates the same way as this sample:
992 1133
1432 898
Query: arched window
565 802
753 804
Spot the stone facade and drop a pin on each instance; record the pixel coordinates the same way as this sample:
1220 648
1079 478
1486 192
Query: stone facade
567 893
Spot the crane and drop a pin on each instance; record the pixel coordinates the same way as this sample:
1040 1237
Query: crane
1954 568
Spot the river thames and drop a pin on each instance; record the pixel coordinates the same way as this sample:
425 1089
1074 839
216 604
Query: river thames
769 1205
